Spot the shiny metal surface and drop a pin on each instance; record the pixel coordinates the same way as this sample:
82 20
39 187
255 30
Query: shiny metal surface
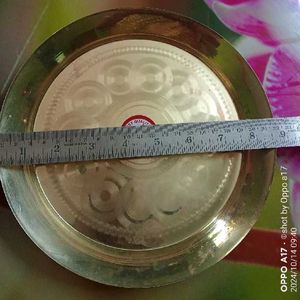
195 222
141 203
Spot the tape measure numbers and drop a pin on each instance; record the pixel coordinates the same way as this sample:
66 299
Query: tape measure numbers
147 141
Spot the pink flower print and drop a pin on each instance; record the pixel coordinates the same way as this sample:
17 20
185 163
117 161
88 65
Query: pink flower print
259 64
263 19
282 80
231 2
275 23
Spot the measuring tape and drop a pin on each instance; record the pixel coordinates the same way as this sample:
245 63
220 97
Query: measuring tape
147 141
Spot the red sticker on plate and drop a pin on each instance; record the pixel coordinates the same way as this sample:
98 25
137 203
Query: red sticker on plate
138 120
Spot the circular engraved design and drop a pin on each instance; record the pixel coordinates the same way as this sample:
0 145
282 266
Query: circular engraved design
151 75
88 96
115 76
168 197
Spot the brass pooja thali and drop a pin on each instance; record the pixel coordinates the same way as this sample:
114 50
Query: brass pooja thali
136 222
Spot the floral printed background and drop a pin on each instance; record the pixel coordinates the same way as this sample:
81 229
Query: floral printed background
270 31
